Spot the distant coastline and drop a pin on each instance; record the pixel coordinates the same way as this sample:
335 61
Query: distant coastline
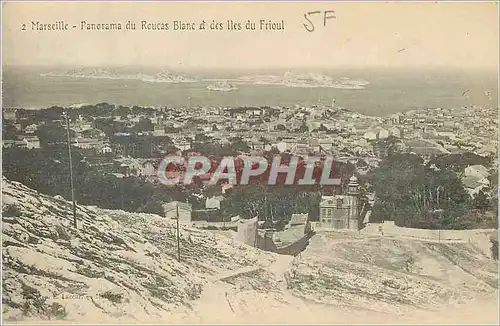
388 91
289 79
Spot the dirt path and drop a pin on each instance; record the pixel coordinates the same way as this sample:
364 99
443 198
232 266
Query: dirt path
236 273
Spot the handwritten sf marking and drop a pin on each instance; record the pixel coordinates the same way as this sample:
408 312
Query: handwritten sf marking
327 14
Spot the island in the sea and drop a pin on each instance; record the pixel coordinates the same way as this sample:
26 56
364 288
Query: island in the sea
291 79
106 73
221 86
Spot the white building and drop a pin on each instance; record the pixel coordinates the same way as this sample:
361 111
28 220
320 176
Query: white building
31 142
478 171
370 135
106 149
214 202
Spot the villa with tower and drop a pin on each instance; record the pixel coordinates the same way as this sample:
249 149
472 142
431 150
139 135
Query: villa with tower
341 212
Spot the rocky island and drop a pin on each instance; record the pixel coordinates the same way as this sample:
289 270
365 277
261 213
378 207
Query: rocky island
291 79
221 86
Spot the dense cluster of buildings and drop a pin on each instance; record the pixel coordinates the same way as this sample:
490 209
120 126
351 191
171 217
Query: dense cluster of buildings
314 130
298 130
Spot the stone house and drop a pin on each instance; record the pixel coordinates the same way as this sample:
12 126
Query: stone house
340 212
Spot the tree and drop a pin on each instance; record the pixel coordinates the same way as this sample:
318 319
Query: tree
303 128
322 127
121 111
458 162
481 201
239 145
494 248
202 138
53 133
9 130
280 127
143 125
415 196
274 203
264 140
109 126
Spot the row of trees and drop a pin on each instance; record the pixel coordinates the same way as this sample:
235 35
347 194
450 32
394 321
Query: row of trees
273 203
47 170
415 195
96 110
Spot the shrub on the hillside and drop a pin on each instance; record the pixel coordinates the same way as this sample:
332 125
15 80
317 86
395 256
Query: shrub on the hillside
10 210
113 297
494 248
56 311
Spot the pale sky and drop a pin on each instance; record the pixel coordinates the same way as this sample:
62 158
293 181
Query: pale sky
363 34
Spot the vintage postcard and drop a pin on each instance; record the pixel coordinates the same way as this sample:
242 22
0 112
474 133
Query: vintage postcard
249 162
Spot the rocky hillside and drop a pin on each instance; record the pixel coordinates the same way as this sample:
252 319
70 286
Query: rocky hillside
122 268
391 275
114 266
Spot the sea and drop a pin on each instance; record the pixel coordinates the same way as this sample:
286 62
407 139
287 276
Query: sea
389 90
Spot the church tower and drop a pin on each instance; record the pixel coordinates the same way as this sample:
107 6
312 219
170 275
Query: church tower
353 193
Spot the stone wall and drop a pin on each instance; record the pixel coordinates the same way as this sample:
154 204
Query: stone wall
478 237
295 248
218 225
389 228
262 239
